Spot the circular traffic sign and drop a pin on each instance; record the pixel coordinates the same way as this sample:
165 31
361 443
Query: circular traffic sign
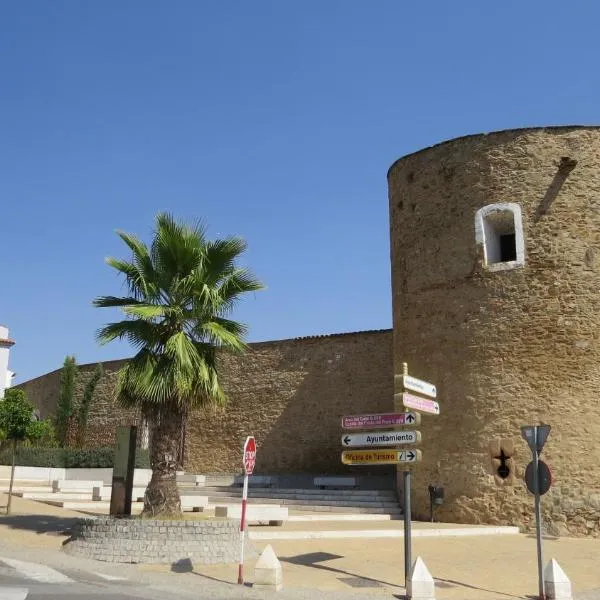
544 477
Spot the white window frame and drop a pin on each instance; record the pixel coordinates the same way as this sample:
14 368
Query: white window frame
484 233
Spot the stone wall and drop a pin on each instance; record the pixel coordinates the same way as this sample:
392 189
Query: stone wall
103 416
289 394
153 541
505 348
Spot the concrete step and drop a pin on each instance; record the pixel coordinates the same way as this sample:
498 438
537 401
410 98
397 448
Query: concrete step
304 491
316 495
53 495
393 512
28 488
306 504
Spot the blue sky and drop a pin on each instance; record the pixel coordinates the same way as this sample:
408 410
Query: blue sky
273 120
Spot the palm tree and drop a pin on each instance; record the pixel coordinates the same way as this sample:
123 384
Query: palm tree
181 291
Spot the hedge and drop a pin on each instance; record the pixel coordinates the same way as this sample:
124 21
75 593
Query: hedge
69 458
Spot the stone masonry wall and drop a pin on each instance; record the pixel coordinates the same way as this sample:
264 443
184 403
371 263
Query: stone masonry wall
289 394
153 541
103 417
506 348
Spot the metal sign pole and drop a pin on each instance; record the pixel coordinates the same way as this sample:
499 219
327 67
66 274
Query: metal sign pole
407 529
538 515
407 512
243 529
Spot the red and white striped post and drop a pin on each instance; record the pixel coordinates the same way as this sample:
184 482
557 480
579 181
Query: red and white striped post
249 462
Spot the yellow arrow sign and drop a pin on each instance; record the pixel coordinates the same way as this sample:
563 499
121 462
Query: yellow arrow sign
380 457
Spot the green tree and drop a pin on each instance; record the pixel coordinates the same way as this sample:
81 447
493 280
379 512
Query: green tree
86 401
182 290
64 408
17 425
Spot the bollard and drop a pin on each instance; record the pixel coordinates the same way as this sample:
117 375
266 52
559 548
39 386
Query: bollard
421 585
267 572
558 586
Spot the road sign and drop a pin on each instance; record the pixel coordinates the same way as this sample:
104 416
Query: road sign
418 385
383 438
544 477
380 421
380 457
528 434
249 455
422 404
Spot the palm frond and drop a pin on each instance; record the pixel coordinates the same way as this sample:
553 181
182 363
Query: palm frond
181 288
148 312
114 301
139 334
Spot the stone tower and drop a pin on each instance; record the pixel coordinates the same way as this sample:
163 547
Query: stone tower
495 252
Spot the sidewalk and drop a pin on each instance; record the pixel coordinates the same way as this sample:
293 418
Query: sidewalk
474 568
34 524
466 568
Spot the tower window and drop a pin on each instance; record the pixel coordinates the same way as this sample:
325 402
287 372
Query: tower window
499 230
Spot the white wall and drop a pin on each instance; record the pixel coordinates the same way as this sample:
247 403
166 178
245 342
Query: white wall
5 344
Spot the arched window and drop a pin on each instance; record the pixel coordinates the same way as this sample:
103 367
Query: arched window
499 230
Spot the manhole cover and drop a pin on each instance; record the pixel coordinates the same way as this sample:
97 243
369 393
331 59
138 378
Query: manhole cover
360 582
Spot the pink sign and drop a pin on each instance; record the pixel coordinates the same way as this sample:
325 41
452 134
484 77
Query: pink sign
379 420
422 404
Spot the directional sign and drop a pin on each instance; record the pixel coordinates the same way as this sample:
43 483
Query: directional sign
380 421
381 439
528 434
380 457
417 385
422 404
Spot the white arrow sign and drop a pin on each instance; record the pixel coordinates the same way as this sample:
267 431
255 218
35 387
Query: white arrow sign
409 456
381 438
418 385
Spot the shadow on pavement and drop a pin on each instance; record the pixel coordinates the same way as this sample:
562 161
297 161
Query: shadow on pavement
453 583
42 524
185 565
311 560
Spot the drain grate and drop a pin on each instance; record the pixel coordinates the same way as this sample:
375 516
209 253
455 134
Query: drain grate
360 582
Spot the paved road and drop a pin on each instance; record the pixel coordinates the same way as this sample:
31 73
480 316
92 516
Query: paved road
25 580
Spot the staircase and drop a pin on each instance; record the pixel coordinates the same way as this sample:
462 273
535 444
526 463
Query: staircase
317 500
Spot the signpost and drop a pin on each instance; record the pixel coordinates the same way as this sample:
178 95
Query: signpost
423 404
381 439
380 457
249 460
536 436
393 438
380 421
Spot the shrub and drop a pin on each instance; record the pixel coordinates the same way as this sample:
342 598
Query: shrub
70 458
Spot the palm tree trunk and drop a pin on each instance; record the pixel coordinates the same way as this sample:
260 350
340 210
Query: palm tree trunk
162 496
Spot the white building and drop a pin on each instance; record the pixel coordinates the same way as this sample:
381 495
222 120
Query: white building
5 345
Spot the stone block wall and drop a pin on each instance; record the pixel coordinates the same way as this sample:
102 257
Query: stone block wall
154 541
289 394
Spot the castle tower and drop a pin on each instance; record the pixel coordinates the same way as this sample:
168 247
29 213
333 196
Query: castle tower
5 345
495 252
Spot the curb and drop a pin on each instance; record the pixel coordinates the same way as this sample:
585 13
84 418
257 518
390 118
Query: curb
380 533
